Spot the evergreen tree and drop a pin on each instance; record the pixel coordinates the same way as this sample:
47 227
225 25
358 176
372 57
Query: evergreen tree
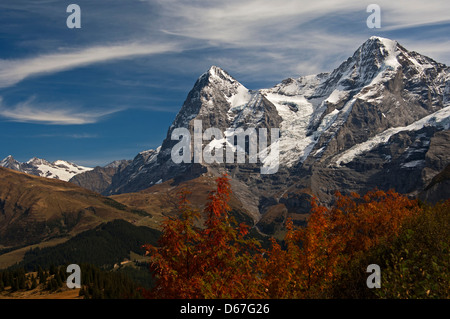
33 282
53 269
22 280
81 292
40 274
8 279
58 280
15 285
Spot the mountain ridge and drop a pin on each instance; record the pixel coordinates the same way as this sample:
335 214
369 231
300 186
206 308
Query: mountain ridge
379 119
314 108
59 169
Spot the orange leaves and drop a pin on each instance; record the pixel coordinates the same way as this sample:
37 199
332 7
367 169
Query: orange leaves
316 255
220 261
215 261
243 229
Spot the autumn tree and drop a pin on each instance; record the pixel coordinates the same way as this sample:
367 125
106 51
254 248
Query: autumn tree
175 261
416 264
316 255
213 261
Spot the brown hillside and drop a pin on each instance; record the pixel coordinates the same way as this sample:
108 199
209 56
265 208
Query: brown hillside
161 200
35 209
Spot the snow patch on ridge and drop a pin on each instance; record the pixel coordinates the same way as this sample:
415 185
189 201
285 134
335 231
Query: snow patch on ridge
61 170
241 97
440 119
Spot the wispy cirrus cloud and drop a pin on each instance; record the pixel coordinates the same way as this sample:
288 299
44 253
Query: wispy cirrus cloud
243 22
31 111
266 34
292 32
75 136
14 71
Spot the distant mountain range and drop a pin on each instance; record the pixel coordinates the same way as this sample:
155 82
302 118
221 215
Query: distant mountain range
97 179
59 169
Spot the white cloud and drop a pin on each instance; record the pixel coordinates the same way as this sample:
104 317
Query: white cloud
31 111
70 136
275 29
82 136
242 22
245 23
415 13
14 71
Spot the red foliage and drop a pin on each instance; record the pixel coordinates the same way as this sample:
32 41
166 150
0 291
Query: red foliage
218 260
210 262
316 254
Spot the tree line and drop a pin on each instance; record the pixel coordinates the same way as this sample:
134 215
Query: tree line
96 283
103 246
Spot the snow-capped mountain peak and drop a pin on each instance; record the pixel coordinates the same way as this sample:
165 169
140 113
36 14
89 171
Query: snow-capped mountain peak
234 92
217 72
38 161
215 92
9 162
374 61
59 169
216 76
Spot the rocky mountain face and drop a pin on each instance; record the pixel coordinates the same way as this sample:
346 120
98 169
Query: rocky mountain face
59 169
383 110
438 189
217 100
380 119
141 165
100 178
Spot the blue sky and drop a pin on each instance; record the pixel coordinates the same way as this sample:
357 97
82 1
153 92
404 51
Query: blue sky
112 88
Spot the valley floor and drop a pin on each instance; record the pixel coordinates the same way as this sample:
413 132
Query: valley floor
39 293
